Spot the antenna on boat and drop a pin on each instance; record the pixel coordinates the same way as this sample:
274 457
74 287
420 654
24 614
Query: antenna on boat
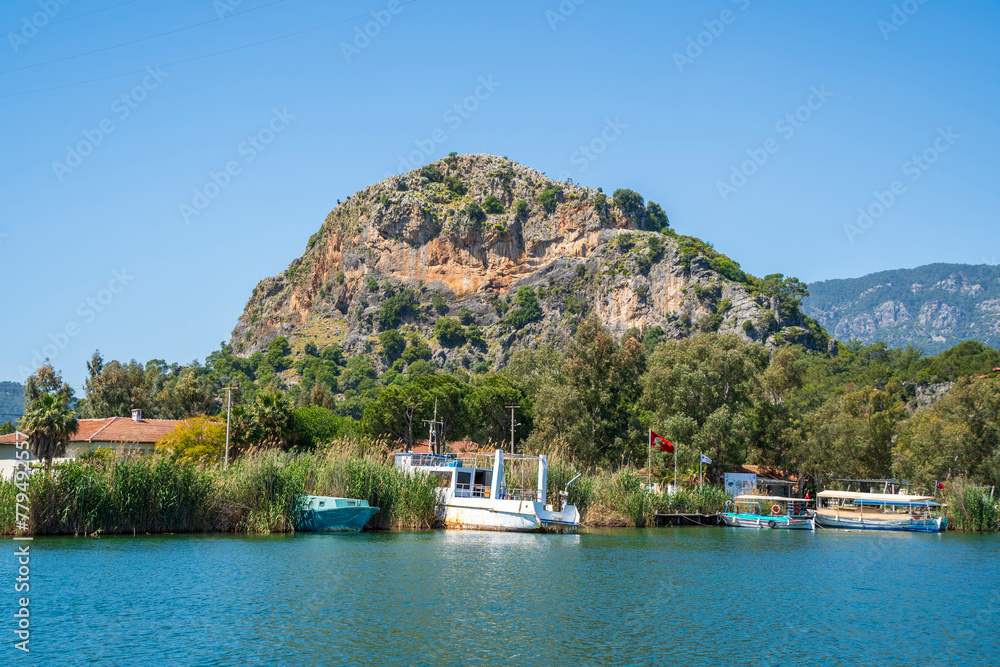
512 424
432 429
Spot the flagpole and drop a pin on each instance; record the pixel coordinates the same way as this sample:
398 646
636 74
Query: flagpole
699 470
675 468
649 460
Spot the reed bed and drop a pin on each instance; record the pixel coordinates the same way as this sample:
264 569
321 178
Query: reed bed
969 508
607 498
104 494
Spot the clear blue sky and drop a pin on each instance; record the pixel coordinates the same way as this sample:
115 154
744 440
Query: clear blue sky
329 120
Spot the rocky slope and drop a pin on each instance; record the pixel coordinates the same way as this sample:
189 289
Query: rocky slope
933 307
462 236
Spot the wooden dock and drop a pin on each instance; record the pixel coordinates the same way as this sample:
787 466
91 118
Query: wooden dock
696 519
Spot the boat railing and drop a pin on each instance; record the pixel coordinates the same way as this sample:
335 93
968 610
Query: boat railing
472 491
433 460
512 493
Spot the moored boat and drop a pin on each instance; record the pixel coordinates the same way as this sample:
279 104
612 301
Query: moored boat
784 513
851 510
329 514
474 492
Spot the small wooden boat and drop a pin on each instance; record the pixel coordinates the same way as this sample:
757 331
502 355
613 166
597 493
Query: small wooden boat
787 513
879 511
326 513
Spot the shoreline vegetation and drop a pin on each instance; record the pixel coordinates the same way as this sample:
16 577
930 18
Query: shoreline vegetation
108 494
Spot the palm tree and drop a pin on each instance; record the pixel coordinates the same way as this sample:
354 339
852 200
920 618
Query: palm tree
48 423
272 419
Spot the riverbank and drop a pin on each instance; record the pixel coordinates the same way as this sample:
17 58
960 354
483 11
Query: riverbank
105 495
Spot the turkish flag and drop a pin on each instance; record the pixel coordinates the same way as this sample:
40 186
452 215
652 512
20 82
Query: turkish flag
665 445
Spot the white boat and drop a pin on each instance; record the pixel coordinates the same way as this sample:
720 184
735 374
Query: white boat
788 513
472 495
879 511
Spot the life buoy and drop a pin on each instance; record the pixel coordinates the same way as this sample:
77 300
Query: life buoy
771 524
775 510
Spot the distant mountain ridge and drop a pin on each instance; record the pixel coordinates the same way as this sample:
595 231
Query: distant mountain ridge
11 401
933 307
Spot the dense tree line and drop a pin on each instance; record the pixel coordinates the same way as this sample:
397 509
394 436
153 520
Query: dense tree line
855 412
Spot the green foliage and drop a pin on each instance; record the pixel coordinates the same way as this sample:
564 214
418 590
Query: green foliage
576 304
449 332
728 268
315 425
970 508
371 284
526 308
341 278
393 344
630 203
395 308
492 205
416 349
439 304
465 315
521 209
475 212
549 198
455 184
655 248
656 218
431 173
624 241
788 291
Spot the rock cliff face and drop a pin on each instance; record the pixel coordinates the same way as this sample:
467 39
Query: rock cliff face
933 307
460 237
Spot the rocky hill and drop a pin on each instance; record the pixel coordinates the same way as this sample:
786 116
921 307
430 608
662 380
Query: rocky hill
933 307
463 237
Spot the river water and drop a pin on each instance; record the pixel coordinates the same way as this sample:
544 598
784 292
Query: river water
704 596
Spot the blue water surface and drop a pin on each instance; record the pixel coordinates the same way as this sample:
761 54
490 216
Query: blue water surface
693 596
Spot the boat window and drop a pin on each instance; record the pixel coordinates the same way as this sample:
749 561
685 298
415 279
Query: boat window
352 503
322 503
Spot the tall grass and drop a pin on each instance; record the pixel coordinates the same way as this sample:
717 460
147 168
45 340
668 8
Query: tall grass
969 508
257 494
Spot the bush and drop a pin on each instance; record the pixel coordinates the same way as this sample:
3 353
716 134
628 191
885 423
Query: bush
449 332
492 205
465 316
393 344
521 208
748 328
439 304
475 212
527 309
630 203
655 248
455 184
394 308
417 349
431 173
549 198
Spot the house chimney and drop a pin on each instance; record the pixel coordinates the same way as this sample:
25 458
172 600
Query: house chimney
137 415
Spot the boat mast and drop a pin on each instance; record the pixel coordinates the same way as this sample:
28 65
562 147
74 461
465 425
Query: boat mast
432 430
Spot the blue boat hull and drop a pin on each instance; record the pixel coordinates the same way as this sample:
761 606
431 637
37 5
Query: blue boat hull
744 520
335 519
911 525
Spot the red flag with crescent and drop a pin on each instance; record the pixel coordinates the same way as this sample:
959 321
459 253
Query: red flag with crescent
658 440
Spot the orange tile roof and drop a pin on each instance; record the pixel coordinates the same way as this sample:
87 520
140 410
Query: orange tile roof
112 429
457 446
13 438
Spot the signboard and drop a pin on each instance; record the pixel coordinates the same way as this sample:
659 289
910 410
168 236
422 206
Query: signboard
739 483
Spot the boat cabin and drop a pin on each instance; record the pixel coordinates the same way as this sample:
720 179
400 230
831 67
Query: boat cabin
474 475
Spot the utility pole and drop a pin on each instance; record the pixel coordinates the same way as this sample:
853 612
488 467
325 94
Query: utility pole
432 429
229 415
512 424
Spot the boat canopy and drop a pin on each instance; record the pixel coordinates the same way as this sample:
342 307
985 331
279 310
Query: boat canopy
775 498
877 498
897 503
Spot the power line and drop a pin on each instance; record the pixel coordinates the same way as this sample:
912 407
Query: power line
134 41
76 16
202 57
